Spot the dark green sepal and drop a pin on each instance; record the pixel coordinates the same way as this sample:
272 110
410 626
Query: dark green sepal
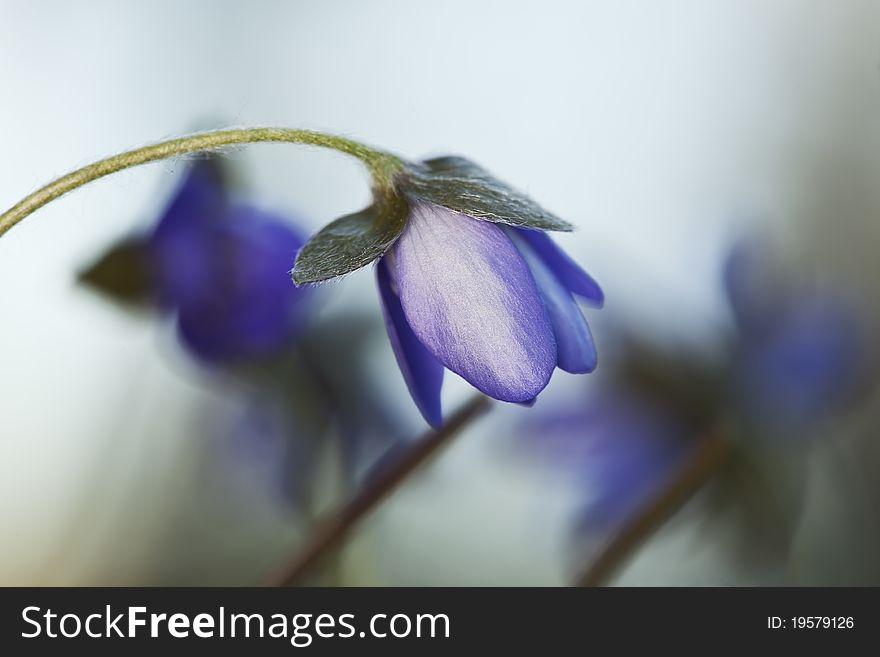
351 242
459 184
356 240
122 273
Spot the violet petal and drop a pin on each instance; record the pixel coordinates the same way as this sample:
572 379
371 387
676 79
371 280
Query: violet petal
567 270
576 351
470 298
422 372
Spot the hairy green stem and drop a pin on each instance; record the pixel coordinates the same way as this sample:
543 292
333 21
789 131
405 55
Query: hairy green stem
382 165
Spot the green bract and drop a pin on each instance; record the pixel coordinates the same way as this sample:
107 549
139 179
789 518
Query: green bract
122 273
351 242
358 239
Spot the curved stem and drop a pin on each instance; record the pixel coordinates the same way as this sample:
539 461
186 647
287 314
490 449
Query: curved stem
333 530
382 165
705 461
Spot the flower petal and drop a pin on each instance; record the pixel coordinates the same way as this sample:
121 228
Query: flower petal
472 301
251 307
422 372
567 270
181 256
576 351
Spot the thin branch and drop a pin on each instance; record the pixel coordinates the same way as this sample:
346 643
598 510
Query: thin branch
332 531
706 460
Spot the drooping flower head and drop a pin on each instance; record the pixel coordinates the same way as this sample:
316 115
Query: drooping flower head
219 265
469 281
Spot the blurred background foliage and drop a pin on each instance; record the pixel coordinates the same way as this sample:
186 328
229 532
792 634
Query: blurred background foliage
719 159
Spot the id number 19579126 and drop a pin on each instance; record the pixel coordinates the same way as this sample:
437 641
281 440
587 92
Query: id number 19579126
810 623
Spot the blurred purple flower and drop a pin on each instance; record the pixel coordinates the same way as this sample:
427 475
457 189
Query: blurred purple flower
803 366
261 444
620 447
797 357
493 304
222 266
800 350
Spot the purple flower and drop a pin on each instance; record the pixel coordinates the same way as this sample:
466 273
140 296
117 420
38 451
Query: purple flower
805 365
619 447
493 303
801 349
468 280
798 355
222 267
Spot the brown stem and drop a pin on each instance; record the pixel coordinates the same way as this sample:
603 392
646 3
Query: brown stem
333 530
707 458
